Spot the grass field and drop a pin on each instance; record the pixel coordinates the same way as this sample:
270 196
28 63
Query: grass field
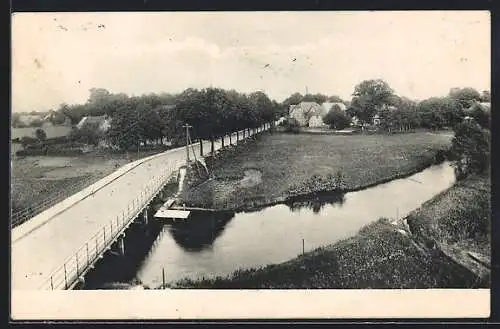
294 164
383 255
51 131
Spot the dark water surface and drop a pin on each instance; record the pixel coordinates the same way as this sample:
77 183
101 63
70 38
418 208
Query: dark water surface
210 244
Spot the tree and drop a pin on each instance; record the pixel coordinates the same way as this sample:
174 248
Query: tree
369 97
88 134
36 123
464 96
335 99
337 119
57 118
470 149
125 130
292 125
481 116
485 96
293 99
40 134
438 112
318 98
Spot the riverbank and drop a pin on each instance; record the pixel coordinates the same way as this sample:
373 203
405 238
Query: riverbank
386 255
280 168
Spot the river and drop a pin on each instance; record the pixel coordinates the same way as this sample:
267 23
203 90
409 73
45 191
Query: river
210 244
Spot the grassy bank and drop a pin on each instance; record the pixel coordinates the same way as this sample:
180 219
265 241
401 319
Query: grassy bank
458 222
289 165
383 255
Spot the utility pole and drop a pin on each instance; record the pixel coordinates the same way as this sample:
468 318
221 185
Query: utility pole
187 142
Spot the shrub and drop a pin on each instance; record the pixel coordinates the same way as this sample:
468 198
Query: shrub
337 119
292 125
40 134
470 149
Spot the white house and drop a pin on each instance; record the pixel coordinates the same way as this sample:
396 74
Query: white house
308 114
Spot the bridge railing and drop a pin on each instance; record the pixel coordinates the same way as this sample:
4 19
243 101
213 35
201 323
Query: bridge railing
66 275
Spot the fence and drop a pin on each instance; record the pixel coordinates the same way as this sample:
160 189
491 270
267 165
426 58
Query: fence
66 275
21 216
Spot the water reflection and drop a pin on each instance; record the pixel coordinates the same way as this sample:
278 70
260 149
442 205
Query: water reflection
316 202
200 230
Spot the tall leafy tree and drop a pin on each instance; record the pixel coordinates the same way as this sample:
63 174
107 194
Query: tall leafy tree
369 97
465 96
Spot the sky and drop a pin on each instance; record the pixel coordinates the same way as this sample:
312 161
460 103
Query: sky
58 57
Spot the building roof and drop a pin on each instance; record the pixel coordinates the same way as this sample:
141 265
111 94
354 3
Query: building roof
98 120
306 107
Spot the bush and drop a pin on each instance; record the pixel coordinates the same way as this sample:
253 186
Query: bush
292 125
40 134
28 141
337 119
470 149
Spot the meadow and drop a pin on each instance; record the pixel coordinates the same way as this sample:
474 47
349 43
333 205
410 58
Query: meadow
298 164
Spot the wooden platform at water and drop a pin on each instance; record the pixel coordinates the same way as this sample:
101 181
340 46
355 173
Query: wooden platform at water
193 208
172 214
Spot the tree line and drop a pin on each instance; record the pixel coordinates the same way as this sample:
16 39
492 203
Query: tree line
213 112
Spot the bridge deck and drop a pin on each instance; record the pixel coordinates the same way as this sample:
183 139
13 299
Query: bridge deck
45 242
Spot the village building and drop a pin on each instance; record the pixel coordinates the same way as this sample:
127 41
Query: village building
308 114
102 123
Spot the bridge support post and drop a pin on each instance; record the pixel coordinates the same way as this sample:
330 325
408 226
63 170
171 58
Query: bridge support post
237 136
222 139
145 215
121 245
201 147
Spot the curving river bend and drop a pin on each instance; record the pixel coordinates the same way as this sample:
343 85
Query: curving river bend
212 244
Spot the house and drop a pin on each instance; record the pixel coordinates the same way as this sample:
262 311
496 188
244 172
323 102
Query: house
376 120
102 123
308 114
